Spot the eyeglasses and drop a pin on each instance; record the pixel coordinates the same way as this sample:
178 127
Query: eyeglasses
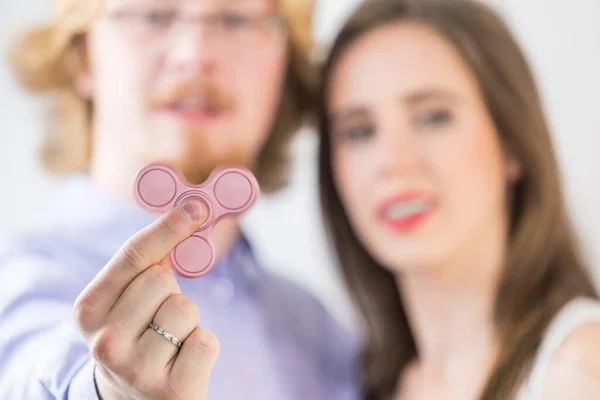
234 33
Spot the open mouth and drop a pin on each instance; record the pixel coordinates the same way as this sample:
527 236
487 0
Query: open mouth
193 102
195 109
405 213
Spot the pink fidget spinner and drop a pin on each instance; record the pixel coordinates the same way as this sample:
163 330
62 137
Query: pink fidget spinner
227 191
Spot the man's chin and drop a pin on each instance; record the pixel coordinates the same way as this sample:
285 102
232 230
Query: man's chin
197 171
197 175
195 152
198 159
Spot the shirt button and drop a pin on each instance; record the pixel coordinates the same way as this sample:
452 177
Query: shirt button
223 290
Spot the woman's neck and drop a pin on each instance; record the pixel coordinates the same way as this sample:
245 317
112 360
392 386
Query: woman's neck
452 325
450 310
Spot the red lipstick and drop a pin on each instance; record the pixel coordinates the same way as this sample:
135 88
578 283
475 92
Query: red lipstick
405 212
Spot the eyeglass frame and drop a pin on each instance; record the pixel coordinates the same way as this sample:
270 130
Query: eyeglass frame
275 20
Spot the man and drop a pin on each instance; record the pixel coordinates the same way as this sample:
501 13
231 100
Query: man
197 84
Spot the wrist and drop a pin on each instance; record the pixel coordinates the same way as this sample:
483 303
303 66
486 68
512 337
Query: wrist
104 389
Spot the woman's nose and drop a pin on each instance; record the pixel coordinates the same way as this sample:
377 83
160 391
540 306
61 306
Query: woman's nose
397 151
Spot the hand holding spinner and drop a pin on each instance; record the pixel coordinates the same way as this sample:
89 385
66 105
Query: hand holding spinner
227 191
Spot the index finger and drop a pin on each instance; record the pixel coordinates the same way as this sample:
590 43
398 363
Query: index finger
145 248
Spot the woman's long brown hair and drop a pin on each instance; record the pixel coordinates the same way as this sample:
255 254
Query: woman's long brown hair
543 270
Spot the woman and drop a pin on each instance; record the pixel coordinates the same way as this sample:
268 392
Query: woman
441 190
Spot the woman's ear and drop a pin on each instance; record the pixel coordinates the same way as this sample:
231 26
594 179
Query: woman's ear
513 169
512 166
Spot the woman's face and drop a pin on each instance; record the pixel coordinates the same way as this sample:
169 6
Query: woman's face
416 158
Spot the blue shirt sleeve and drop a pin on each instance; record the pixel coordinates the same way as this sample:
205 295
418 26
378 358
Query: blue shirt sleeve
43 354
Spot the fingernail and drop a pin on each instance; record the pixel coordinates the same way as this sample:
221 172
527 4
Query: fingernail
193 210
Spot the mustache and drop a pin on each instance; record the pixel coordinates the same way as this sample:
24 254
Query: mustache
208 93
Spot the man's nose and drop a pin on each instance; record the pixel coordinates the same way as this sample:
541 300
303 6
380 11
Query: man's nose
192 48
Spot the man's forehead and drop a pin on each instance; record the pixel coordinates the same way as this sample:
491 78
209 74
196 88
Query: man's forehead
298 13
61 5
191 2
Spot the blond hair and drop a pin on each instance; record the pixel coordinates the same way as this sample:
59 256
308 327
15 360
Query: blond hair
46 58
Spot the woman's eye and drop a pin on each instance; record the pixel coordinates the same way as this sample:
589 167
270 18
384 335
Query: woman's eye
360 132
434 118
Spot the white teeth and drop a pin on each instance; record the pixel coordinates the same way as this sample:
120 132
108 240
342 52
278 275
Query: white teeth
192 104
406 208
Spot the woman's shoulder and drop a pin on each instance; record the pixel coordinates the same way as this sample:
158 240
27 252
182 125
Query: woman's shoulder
568 361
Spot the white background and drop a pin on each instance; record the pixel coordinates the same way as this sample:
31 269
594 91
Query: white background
561 38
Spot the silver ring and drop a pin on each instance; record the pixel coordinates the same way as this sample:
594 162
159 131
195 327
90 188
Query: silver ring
167 335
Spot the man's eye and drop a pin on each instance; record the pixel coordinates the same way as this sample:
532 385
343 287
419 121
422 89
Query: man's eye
235 20
159 17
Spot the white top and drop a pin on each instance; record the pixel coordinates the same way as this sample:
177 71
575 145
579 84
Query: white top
576 313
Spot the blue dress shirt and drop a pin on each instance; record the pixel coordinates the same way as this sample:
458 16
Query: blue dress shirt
277 341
